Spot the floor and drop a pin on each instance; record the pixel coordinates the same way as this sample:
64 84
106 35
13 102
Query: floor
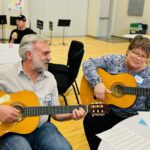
113 39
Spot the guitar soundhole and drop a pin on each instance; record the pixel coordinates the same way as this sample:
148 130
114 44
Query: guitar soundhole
20 108
117 90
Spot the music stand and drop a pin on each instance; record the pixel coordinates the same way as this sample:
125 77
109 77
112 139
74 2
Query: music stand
51 29
3 21
64 23
39 25
13 20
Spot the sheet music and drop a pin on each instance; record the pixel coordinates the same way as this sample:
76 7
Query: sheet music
121 138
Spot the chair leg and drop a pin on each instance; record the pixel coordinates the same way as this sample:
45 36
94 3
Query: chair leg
75 94
77 87
65 99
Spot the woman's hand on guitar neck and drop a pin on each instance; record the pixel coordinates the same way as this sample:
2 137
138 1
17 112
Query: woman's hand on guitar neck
8 114
100 90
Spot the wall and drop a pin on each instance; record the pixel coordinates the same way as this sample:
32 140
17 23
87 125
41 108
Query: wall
93 18
122 20
52 10
95 12
1 13
78 11
1 7
4 10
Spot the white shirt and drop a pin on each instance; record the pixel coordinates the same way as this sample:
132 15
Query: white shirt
13 79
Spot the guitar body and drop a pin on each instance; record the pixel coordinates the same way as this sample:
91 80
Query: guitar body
30 110
116 98
23 125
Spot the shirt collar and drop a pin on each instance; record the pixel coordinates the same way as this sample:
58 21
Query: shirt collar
20 71
20 68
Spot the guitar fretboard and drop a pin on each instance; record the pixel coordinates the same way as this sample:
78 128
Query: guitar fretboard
47 110
136 91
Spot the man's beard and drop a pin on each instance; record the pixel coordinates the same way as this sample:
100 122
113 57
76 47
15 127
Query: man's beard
39 66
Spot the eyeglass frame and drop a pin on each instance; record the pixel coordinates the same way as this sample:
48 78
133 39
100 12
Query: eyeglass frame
138 55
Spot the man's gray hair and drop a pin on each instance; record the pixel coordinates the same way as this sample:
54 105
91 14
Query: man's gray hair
27 43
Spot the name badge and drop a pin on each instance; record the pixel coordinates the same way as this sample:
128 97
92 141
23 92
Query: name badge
48 99
139 79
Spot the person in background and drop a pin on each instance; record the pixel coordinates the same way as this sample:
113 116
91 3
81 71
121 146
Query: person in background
135 62
31 74
21 30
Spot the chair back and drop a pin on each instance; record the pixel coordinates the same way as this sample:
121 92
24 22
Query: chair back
75 65
74 47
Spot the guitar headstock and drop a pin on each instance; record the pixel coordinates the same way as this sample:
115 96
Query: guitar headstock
98 109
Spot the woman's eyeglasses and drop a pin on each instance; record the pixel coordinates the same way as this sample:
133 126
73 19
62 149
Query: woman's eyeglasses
139 55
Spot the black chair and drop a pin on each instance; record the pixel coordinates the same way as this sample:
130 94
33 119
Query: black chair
66 78
55 68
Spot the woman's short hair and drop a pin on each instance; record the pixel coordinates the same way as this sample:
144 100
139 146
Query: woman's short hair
140 42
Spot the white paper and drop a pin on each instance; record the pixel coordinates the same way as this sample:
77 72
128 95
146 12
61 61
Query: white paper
9 53
132 36
121 138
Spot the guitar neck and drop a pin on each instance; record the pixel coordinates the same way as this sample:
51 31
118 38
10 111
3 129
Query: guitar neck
47 110
136 91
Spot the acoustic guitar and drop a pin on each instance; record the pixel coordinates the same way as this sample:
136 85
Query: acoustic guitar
30 111
123 86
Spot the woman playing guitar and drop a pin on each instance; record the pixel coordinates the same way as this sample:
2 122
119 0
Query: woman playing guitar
133 63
